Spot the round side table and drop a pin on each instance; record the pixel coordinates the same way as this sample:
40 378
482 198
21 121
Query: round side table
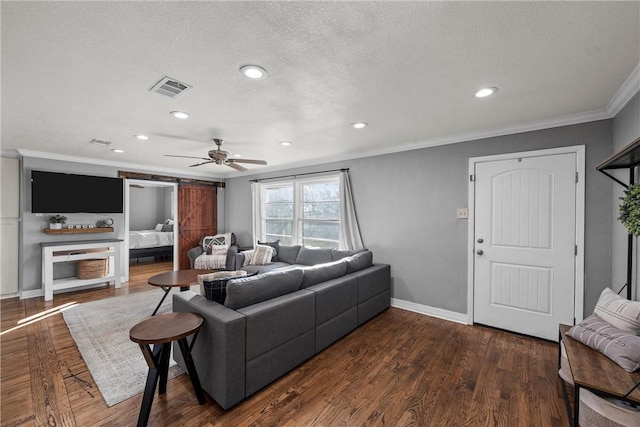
160 331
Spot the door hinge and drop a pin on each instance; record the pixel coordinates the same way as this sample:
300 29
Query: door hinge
576 177
472 178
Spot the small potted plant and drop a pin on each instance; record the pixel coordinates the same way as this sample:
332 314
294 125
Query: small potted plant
630 210
56 221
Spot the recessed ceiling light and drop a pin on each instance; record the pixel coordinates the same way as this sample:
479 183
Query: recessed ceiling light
142 137
486 92
359 125
179 114
285 143
117 150
253 72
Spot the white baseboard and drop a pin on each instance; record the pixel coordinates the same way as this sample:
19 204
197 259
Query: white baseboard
440 313
34 293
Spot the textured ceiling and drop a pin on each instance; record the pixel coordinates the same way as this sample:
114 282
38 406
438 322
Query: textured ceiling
74 71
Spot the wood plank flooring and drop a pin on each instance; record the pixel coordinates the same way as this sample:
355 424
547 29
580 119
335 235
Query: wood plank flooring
399 369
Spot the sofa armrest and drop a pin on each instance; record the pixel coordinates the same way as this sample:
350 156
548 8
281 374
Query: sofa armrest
219 352
194 253
231 258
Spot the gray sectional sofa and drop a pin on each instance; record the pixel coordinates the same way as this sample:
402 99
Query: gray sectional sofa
274 321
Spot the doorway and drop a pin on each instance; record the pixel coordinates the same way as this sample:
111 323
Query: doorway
167 197
526 234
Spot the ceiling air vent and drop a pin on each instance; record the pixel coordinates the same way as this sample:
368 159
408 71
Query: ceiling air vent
100 142
170 87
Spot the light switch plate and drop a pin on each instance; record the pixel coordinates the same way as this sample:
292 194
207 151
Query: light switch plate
462 213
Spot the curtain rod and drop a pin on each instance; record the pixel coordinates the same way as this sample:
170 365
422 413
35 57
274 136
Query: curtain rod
301 174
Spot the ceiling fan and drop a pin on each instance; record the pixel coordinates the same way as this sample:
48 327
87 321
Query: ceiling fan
221 157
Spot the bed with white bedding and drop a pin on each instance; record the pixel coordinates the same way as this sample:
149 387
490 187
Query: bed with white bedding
147 243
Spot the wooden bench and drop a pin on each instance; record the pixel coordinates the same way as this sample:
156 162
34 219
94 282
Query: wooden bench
597 373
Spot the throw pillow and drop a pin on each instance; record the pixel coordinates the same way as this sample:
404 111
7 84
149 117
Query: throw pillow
158 227
261 255
214 287
619 346
275 245
618 311
217 240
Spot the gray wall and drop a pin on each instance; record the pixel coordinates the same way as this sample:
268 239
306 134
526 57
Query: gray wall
31 233
626 128
149 206
406 204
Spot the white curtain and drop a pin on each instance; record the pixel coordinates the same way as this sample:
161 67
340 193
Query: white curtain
350 238
256 197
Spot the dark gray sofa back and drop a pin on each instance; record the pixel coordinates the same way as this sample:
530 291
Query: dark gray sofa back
288 254
309 256
321 273
252 290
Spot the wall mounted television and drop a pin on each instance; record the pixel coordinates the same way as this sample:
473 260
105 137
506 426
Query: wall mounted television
53 192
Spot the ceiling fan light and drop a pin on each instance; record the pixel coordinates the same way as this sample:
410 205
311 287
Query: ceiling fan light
237 155
254 72
484 92
180 115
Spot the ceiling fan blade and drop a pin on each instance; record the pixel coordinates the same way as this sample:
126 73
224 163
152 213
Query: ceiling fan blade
236 167
254 162
200 164
186 157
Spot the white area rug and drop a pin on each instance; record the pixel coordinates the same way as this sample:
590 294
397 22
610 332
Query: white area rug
101 332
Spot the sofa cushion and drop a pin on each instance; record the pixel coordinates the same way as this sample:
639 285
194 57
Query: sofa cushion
309 256
321 273
214 285
619 311
275 245
338 254
359 261
620 346
288 254
251 290
265 268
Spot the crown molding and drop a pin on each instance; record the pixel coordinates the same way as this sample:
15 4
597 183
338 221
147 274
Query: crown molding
567 120
10 153
91 161
628 89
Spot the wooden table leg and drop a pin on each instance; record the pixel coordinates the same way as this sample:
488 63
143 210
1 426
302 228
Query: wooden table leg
191 368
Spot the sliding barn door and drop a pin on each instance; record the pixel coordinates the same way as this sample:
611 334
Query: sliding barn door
197 216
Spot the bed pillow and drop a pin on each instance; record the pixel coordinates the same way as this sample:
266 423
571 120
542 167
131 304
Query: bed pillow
167 227
619 346
158 227
619 311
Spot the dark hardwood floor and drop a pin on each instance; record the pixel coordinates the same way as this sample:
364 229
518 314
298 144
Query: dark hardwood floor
399 369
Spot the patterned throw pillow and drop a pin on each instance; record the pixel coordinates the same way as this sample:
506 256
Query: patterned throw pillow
618 311
261 255
214 285
209 241
275 245
619 346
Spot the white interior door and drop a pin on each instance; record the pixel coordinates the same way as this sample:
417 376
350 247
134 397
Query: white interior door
525 243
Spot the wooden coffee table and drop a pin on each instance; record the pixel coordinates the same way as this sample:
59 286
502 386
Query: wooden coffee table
182 279
161 331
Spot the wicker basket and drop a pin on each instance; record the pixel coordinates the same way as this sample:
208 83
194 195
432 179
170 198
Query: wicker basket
92 268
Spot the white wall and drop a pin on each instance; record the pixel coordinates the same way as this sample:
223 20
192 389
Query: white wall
148 207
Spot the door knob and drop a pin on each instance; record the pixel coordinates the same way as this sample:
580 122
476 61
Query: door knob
480 240
479 251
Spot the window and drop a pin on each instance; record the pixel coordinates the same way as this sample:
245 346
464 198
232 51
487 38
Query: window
302 212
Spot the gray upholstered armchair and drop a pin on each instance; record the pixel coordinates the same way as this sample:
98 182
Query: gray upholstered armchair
231 254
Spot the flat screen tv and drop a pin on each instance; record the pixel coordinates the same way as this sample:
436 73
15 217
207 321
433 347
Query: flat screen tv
53 192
